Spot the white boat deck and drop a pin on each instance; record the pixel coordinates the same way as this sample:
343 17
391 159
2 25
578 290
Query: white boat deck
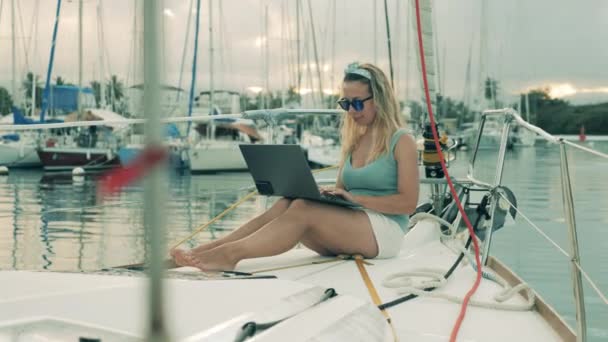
117 304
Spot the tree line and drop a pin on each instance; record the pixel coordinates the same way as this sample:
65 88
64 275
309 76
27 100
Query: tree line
556 116
114 93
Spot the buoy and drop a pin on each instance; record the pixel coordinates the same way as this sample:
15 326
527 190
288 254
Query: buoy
3 170
581 135
78 171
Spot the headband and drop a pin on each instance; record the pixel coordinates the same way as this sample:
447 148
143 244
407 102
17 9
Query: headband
353 68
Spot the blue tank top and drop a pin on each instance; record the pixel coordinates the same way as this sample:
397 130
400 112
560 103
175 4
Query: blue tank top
378 178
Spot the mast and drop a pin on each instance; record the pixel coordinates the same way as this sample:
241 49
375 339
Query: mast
210 56
14 55
314 46
283 48
33 109
181 69
333 48
79 99
194 63
527 107
153 190
375 31
408 35
388 41
298 62
482 48
398 50
467 83
49 72
427 38
102 92
265 43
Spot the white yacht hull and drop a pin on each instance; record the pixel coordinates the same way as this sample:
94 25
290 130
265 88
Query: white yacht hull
18 154
216 155
324 155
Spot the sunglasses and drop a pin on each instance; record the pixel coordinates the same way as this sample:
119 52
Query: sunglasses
356 103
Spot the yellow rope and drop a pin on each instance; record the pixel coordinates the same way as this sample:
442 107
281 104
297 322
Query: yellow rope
372 291
205 225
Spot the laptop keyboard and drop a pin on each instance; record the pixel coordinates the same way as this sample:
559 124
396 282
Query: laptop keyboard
332 197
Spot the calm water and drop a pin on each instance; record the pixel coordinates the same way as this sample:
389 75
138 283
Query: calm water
53 222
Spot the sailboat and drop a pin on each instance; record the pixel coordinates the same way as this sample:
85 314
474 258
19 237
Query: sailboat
300 296
18 149
214 143
93 147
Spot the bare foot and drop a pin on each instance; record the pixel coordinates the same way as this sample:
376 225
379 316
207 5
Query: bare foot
182 257
217 259
198 249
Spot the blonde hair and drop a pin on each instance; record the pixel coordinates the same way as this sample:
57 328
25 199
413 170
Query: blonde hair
388 119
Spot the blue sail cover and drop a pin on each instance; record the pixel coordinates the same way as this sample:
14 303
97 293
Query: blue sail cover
65 98
20 119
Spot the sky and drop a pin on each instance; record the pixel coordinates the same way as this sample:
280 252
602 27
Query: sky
560 44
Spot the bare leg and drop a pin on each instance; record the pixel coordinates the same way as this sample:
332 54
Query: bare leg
245 230
330 229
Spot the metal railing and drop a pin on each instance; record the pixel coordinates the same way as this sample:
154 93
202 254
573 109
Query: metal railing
511 117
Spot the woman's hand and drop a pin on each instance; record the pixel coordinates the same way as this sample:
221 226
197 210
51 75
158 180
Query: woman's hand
338 192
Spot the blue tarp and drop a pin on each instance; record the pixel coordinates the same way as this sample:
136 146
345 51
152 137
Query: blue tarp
171 130
66 97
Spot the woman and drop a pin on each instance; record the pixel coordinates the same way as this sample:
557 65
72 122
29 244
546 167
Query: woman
378 171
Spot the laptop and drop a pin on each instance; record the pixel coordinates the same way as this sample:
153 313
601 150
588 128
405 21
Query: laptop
282 170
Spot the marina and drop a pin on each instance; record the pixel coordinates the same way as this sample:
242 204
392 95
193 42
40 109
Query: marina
150 206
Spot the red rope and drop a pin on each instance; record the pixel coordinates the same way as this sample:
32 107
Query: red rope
463 308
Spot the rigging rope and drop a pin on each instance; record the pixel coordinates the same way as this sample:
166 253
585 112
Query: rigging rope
586 149
560 249
403 281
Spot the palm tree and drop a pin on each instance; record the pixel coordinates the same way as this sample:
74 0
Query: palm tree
491 90
96 86
6 102
27 86
114 91
59 81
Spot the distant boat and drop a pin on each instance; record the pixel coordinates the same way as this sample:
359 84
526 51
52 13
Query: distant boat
218 146
491 137
18 150
91 148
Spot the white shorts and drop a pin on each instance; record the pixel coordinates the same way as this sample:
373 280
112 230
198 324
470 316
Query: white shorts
388 234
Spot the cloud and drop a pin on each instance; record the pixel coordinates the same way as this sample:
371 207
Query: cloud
528 42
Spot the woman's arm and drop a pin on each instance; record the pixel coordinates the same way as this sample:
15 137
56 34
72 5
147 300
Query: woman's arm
339 184
405 201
